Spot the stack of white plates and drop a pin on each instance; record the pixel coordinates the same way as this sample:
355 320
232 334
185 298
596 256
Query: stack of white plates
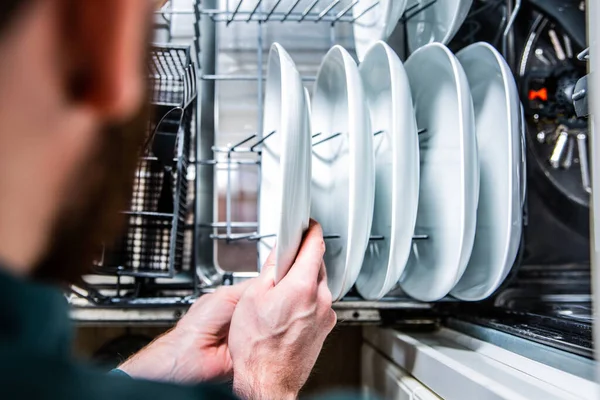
449 187
432 147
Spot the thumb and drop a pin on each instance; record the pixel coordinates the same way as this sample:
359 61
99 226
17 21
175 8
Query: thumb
266 279
234 293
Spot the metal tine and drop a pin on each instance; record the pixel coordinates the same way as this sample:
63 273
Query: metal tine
584 55
231 238
261 141
237 238
272 10
345 10
583 162
237 224
408 17
257 237
336 135
373 238
378 238
409 9
308 10
326 10
237 8
232 148
316 135
292 8
328 138
422 131
372 6
509 26
234 162
254 11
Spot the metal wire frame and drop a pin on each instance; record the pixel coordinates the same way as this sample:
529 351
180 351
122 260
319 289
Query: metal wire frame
332 13
257 149
148 227
128 295
172 75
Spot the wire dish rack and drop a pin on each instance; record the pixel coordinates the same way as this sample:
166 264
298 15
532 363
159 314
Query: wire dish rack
187 122
152 245
338 16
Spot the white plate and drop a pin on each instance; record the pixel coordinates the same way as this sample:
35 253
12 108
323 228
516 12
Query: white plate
449 187
285 168
436 23
375 24
523 156
499 215
343 175
397 170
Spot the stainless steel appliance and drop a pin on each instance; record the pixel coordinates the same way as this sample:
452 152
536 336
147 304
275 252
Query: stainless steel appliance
532 339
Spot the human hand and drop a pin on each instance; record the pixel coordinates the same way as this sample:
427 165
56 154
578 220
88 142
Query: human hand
278 331
196 349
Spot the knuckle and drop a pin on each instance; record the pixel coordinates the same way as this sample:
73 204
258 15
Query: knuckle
332 318
325 297
322 246
251 292
304 287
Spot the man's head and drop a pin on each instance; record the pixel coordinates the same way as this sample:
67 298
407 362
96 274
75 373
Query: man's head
72 79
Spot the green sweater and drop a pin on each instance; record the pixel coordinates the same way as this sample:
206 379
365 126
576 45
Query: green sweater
36 360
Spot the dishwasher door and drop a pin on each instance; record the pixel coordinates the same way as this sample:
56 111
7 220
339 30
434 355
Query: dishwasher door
452 365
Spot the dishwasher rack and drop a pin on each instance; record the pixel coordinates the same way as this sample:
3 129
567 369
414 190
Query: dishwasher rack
163 293
331 12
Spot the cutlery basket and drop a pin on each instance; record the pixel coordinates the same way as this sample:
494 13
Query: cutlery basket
153 242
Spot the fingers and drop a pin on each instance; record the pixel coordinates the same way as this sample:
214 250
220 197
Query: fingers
310 257
234 292
324 294
322 273
270 261
266 279
332 320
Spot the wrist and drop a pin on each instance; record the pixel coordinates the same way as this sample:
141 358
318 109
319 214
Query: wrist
256 390
156 361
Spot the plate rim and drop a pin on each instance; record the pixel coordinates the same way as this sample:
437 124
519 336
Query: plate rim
393 62
511 96
289 79
465 107
355 97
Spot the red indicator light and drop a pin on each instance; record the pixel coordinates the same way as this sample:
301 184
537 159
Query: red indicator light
541 94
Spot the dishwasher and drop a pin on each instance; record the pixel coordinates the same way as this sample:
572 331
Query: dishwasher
192 224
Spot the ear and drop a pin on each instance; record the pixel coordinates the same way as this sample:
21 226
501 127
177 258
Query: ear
109 44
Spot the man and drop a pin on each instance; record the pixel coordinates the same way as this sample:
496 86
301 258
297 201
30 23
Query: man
72 91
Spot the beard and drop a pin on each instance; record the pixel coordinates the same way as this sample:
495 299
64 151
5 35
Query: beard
99 191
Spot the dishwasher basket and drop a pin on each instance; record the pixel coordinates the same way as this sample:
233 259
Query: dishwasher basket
152 245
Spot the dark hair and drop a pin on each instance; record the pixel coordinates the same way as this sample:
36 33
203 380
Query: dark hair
8 9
